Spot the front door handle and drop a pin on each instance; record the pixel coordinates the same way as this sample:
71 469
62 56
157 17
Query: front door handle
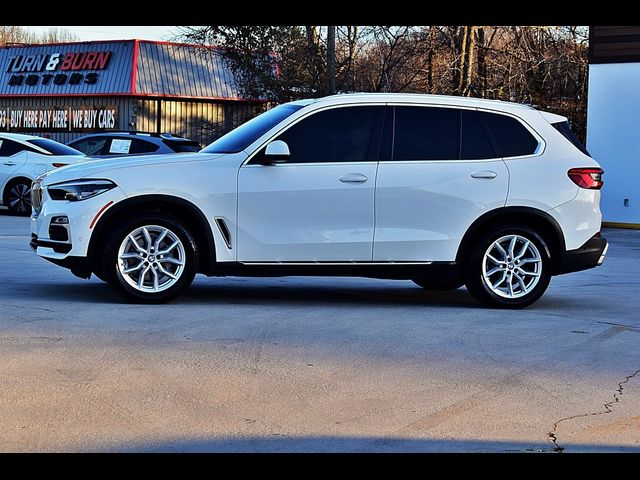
353 178
10 163
484 174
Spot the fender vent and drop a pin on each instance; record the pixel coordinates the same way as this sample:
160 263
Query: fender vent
224 230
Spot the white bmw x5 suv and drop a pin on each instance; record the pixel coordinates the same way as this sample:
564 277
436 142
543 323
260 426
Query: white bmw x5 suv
444 191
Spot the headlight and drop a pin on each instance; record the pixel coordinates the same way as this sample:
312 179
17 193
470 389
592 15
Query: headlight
76 190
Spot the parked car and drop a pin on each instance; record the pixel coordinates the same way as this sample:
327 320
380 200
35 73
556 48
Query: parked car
441 190
23 158
118 144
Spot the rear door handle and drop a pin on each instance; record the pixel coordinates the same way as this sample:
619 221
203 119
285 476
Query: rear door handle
353 178
10 163
484 174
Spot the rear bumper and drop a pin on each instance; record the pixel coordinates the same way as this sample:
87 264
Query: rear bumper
589 255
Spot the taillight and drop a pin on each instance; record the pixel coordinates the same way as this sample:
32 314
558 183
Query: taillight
58 165
589 178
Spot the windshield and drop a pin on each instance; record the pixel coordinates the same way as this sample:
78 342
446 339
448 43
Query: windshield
54 148
247 133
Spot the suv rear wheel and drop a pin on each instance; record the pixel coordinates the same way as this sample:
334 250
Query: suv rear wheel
150 258
510 267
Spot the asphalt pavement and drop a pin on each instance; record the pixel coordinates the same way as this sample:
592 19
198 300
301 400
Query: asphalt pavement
316 364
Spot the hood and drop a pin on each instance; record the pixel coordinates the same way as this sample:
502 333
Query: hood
100 168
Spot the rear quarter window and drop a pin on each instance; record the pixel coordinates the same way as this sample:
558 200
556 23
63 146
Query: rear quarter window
512 138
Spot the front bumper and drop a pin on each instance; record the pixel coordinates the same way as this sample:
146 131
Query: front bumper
589 255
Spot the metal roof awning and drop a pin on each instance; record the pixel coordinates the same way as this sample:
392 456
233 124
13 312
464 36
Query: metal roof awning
122 67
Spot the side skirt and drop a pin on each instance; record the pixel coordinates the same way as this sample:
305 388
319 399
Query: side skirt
390 270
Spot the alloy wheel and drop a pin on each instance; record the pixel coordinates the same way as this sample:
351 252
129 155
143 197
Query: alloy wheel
512 266
151 258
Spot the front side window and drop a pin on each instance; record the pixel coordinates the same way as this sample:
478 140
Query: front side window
9 148
426 133
345 134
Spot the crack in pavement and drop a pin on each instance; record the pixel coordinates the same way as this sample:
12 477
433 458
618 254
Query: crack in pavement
553 434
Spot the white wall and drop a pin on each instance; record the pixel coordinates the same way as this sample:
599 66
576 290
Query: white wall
613 136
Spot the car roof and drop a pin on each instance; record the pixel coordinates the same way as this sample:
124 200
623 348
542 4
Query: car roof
420 98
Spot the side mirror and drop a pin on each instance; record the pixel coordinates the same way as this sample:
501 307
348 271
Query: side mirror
276 152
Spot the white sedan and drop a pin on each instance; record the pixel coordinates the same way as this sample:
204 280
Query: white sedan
22 159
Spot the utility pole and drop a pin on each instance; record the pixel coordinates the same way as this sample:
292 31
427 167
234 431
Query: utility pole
331 60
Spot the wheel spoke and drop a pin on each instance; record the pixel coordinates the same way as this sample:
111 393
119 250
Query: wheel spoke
171 260
13 203
510 282
529 260
170 248
159 239
512 246
135 244
494 260
166 272
531 274
141 278
521 282
147 238
155 280
523 250
133 269
502 251
494 270
128 255
501 281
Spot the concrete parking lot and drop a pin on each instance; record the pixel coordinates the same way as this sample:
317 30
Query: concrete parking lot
316 364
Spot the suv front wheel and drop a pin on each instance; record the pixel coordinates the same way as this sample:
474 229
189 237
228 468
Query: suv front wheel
150 258
509 267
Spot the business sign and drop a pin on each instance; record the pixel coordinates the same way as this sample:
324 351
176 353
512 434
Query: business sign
66 119
58 68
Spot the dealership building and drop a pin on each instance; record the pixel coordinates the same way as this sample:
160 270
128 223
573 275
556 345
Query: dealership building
65 90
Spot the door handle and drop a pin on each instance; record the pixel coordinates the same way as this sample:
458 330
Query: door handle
488 174
353 178
10 163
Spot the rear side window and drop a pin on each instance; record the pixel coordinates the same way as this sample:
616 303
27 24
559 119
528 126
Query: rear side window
512 137
182 146
426 133
565 130
54 148
142 146
475 143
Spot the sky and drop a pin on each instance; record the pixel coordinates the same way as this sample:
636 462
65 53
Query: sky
115 32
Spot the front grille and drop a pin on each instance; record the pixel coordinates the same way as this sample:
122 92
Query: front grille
36 196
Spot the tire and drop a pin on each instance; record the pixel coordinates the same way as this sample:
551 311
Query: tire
17 197
437 285
513 284
122 257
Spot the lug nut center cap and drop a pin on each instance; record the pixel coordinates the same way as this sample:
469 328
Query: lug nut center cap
152 258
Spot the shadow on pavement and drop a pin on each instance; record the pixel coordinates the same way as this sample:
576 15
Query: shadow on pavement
281 443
